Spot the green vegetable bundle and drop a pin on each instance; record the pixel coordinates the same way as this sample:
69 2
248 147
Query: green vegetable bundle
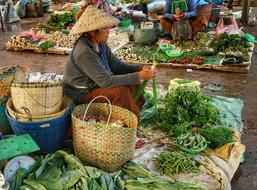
187 106
175 162
227 41
217 136
61 171
138 178
46 44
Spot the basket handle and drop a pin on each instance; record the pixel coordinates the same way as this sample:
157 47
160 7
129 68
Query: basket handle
110 107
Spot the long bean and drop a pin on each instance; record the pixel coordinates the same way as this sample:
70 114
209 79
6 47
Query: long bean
175 162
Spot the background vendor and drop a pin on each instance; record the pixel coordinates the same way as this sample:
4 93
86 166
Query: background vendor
93 70
197 22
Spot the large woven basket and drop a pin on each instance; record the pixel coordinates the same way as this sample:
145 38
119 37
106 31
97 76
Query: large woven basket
205 10
7 76
103 145
66 103
39 98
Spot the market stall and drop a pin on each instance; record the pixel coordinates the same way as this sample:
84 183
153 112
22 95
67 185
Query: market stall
192 140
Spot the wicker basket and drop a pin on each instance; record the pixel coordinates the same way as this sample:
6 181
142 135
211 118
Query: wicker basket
39 98
205 10
7 76
102 144
66 103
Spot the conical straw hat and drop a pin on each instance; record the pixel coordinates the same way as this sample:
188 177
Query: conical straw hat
93 19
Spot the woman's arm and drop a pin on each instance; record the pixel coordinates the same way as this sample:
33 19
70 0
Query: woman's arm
191 9
168 10
91 65
118 67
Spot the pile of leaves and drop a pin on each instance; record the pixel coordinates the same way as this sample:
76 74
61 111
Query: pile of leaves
186 107
229 41
61 171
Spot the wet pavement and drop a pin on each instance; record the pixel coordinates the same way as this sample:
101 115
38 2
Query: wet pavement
242 86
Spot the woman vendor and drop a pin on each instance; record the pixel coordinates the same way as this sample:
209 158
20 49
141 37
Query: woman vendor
93 70
187 11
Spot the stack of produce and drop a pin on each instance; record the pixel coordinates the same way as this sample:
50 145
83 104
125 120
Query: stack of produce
143 54
61 39
22 41
232 46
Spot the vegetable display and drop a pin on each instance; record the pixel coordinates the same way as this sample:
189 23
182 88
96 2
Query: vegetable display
61 39
61 171
61 20
174 162
197 60
217 136
191 142
23 41
188 105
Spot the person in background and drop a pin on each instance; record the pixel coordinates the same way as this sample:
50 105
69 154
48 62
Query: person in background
92 69
100 4
196 21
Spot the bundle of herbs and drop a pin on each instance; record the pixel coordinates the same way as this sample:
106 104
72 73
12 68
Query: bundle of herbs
186 108
217 136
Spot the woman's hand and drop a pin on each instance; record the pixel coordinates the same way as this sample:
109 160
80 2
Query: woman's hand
146 74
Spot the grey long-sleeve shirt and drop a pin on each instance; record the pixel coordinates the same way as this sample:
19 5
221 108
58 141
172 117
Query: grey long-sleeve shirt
90 69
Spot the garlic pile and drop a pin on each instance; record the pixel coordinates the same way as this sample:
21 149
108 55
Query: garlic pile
22 41
61 39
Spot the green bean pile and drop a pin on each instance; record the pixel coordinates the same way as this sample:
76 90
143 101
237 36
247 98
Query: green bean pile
191 141
175 162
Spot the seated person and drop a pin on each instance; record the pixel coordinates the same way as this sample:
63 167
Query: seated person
197 21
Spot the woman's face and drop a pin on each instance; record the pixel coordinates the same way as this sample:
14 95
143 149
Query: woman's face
102 35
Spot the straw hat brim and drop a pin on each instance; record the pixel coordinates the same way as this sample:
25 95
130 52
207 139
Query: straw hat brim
93 19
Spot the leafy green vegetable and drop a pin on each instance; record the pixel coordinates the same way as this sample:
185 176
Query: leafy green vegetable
217 136
61 171
175 162
46 44
227 41
139 178
188 106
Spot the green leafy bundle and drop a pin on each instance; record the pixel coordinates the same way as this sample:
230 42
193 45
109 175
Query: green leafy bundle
227 41
61 171
62 20
138 178
217 136
186 107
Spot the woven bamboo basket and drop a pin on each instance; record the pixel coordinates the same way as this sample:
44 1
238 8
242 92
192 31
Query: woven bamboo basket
205 10
102 144
39 98
7 76
66 103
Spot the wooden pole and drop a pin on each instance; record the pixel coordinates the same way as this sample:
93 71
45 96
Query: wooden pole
245 12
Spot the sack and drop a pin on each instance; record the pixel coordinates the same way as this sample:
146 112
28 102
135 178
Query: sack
229 29
181 30
101 144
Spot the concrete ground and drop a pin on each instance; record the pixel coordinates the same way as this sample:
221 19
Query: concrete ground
242 86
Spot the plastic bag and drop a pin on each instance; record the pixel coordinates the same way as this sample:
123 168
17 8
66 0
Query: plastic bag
230 29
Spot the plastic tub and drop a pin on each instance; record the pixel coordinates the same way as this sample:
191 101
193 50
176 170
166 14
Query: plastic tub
49 135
